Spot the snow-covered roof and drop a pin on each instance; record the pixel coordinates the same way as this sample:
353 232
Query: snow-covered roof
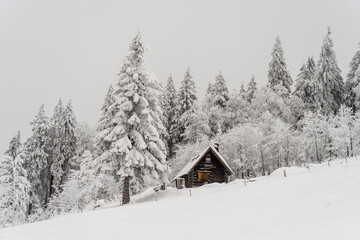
193 162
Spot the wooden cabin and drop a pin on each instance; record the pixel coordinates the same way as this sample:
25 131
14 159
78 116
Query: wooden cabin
207 167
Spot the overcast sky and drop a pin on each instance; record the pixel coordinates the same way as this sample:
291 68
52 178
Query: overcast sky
74 49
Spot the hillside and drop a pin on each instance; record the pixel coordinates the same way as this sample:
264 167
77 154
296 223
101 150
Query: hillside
322 203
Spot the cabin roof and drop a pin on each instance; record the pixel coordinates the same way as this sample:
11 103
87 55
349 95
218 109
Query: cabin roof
193 162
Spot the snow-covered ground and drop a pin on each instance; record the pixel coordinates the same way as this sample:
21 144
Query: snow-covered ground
323 203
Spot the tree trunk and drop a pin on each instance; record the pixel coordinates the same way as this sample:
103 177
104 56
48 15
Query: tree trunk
262 162
287 152
126 191
317 151
351 147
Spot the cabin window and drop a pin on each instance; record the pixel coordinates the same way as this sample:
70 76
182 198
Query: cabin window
208 158
203 176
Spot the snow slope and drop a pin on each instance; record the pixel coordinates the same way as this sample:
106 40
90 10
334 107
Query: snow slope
323 203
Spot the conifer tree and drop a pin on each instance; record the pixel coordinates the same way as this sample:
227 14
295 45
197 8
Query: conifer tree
64 142
352 83
304 87
328 84
187 93
242 91
210 89
14 146
186 100
105 122
220 90
137 155
38 158
69 135
14 186
251 89
279 79
58 159
170 104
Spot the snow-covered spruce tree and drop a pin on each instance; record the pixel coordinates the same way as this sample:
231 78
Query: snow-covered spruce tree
352 83
70 141
251 89
57 158
213 105
328 84
170 105
210 89
38 159
279 79
105 125
220 90
304 84
104 167
242 91
15 146
14 186
63 129
186 100
137 154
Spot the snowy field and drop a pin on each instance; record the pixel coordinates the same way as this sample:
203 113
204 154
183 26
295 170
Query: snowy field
323 203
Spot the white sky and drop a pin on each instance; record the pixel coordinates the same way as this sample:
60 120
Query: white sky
74 49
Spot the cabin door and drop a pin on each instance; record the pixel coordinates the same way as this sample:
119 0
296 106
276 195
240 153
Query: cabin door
204 176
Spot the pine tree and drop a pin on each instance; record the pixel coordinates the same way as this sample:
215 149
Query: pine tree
105 124
304 87
242 89
220 90
328 84
210 89
64 143
251 89
170 105
352 82
187 93
69 136
138 154
14 186
58 159
14 146
186 100
279 79
38 158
